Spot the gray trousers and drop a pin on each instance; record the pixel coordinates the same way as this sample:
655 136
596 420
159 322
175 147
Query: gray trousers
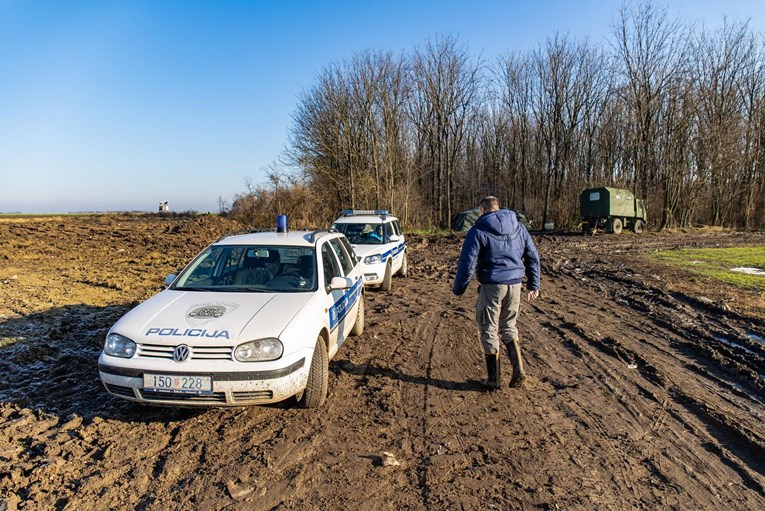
496 313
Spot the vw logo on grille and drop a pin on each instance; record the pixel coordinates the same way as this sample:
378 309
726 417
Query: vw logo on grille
181 353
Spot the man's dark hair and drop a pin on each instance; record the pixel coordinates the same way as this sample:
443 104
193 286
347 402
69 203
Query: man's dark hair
489 203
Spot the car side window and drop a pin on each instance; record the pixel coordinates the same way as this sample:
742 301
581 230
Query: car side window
345 259
389 229
397 227
349 249
331 268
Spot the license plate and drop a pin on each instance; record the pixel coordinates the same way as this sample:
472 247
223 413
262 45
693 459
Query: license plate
177 383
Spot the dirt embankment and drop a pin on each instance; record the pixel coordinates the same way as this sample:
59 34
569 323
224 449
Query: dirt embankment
647 391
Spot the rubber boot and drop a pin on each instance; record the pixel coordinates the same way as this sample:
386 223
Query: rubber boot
492 369
519 373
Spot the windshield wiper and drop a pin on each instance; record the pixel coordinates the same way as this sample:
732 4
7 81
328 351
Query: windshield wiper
250 289
225 289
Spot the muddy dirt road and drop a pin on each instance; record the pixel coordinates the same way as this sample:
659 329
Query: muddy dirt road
647 391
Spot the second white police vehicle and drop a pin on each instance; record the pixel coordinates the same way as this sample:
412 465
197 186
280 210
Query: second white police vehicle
254 318
377 238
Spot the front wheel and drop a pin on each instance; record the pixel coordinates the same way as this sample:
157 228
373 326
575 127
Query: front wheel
358 326
616 226
404 270
315 391
388 279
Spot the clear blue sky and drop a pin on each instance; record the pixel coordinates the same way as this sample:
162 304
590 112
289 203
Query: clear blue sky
117 105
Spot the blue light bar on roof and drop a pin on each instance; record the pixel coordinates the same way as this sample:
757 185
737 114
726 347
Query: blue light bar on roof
351 212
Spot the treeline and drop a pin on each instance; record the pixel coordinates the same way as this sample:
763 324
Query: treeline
673 111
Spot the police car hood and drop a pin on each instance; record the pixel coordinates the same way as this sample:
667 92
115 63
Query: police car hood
365 250
194 316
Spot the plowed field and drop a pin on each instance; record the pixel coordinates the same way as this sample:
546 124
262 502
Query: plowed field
647 387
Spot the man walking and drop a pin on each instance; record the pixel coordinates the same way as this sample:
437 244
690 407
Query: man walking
500 251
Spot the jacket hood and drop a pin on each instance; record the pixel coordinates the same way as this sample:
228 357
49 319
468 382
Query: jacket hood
498 223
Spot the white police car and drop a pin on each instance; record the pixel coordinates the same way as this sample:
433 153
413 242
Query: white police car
377 238
254 318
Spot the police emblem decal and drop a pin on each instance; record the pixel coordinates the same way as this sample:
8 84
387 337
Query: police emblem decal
202 313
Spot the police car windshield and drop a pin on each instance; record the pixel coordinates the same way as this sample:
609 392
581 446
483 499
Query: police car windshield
362 233
251 269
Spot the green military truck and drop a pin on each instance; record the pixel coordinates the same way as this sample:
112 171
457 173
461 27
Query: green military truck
611 209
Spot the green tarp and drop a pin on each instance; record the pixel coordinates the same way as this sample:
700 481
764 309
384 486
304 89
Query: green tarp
465 220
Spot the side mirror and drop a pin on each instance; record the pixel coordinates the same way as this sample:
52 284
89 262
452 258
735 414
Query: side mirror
394 237
339 283
169 279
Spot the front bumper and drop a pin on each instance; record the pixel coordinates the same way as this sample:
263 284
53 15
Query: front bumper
230 388
373 273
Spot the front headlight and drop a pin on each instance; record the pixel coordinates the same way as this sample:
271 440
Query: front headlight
118 345
377 258
259 351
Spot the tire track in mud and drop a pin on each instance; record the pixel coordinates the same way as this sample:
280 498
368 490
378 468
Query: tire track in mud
424 456
613 415
431 392
686 334
746 444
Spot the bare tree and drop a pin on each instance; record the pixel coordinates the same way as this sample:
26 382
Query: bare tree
722 62
752 87
676 139
652 48
516 123
559 101
446 85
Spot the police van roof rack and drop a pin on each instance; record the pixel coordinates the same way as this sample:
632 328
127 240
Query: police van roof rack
244 231
353 212
315 234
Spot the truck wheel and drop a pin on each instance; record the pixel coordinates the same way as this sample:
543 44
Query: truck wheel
315 391
404 270
616 225
358 326
387 280
637 227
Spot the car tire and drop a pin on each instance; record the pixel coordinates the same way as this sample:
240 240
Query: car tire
616 226
637 227
315 392
358 326
404 270
388 279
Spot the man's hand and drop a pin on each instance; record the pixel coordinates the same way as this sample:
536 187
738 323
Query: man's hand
532 295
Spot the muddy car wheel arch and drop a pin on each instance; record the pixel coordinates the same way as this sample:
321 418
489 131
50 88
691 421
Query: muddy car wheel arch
315 391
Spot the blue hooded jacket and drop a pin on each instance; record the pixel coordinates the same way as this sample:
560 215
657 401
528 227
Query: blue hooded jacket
500 250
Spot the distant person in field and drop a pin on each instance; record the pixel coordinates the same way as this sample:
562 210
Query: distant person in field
500 251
